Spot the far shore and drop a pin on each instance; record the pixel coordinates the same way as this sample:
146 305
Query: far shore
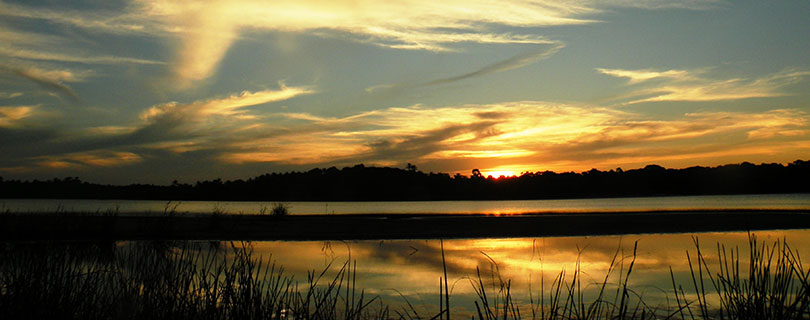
83 227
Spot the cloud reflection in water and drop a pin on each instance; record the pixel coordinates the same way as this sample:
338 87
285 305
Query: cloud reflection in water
414 267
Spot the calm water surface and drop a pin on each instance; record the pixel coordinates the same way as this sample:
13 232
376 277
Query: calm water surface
411 269
395 270
771 201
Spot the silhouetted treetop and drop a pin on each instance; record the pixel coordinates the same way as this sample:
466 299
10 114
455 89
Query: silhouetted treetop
362 183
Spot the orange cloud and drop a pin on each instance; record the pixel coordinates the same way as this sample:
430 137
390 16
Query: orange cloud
521 136
92 159
11 116
513 136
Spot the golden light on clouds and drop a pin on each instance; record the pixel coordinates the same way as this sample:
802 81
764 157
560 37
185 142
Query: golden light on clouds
89 159
228 106
636 76
207 29
694 85
9 116
505 87
525 132
504 139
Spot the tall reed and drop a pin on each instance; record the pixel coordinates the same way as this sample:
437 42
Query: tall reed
772 285
567 297
201 281
179 280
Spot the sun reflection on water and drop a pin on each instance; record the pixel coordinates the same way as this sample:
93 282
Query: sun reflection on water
414 267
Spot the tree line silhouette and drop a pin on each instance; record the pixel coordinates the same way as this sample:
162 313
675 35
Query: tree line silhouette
362 183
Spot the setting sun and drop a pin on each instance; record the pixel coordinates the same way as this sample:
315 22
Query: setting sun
236 89
498 173
540 150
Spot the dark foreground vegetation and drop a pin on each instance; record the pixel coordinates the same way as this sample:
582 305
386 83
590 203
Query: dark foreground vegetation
361 183
193 280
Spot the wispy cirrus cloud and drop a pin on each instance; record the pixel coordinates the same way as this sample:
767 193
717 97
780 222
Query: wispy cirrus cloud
33 46
88 159
515 62
107 21
10 95
411 25
49 80
77 57
178 127
397 134
527 135
636 76
664 4
207 29
522 134
702 138
512 63
227 106
695 85
49 60
11 36
198 125
749 126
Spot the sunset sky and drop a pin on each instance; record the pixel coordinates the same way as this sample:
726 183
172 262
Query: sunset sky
153 91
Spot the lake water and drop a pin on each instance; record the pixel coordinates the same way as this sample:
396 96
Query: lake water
770 201
411 269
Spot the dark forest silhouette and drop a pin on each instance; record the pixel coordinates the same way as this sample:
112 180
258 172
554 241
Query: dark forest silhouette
362 183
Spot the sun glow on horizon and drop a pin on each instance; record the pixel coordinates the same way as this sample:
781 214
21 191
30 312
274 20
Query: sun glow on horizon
207 89
498 173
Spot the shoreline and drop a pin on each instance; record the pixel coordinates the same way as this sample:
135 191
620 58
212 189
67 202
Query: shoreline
77 227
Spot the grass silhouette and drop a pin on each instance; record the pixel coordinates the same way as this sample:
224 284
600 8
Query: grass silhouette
205 280
167 280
